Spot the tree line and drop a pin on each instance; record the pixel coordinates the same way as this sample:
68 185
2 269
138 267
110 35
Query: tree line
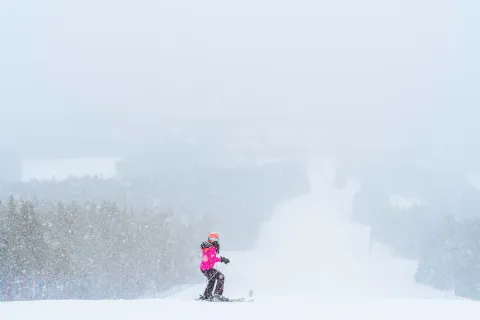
239 198
124 237
93 250
450 256
441 232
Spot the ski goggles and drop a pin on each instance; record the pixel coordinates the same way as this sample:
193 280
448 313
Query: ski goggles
212 239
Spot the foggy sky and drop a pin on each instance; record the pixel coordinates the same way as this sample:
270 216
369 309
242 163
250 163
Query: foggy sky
370 68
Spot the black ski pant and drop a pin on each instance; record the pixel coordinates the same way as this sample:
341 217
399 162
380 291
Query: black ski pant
213 275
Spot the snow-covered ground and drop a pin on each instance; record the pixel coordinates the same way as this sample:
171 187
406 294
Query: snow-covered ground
310 263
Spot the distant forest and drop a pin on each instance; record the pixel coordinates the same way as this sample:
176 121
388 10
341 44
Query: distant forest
440 230
94 238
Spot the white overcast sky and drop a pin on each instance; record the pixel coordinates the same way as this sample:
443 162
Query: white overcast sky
366 64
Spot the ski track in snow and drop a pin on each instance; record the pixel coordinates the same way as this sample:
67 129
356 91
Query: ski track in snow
310 262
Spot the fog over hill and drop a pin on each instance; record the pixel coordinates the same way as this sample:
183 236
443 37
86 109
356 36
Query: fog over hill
215 111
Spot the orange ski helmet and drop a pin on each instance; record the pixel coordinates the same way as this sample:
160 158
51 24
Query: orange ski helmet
213 237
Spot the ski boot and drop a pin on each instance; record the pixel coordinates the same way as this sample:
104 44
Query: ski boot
220 298
205 298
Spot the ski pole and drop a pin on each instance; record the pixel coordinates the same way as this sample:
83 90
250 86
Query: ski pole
212 276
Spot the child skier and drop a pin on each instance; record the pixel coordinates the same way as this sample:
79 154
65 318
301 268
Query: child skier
210 249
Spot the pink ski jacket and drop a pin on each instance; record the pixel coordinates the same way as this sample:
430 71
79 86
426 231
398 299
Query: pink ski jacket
209 258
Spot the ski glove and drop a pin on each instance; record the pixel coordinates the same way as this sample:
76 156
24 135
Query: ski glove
224 260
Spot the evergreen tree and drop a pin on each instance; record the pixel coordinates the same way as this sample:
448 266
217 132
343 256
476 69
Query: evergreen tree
468 260
95 251
437 263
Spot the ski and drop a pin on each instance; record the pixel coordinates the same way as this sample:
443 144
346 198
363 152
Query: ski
228 300
240 300
250 299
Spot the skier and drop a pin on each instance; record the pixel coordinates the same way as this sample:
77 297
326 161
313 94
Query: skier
210 249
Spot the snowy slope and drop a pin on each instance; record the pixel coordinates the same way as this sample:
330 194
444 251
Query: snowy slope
311 249
278 309
310 263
